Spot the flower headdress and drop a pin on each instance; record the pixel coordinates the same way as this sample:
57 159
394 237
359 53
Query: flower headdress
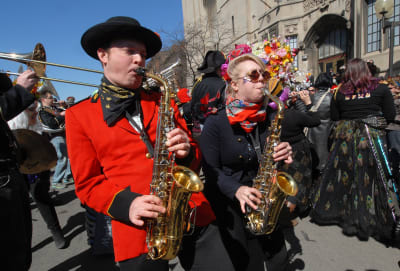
277 56
240 49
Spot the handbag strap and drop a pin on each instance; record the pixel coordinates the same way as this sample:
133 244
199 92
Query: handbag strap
315 107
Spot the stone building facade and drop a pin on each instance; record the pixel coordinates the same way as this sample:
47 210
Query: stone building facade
327 32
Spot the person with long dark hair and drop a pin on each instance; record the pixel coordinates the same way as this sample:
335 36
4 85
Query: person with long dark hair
356 189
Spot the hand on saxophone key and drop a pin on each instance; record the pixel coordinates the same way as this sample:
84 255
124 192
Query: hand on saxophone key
178 142
146 206
248 195
283 152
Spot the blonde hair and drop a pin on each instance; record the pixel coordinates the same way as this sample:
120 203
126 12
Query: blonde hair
233 71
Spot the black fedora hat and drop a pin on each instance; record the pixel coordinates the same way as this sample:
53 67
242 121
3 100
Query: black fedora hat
212 61
119 27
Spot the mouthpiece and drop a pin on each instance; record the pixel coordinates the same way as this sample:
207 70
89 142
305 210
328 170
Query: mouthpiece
141 71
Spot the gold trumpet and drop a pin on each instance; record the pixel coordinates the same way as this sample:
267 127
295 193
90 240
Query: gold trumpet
37 61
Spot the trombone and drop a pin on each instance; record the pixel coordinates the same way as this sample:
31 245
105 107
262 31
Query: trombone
37 61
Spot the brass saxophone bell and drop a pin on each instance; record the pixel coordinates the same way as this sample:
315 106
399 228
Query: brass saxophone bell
286 183
187 179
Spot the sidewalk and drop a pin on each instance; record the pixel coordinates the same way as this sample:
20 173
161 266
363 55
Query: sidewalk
77 256
311 247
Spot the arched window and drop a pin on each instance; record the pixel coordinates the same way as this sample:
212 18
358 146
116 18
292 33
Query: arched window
335 43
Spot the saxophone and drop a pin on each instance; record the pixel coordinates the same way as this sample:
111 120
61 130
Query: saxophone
173 184
274 185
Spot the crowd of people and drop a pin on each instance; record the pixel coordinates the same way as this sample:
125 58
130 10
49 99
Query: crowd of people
339 141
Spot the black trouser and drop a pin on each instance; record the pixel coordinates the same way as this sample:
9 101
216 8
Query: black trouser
203 250
39 189
15 224
141 263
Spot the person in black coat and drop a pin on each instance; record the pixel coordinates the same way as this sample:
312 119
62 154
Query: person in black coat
207 92
15 214
293 126
229 143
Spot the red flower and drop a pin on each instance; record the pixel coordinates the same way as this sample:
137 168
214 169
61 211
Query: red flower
183 95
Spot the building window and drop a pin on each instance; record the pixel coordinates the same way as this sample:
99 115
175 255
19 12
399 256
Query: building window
374 29
292 40
396 18
335 43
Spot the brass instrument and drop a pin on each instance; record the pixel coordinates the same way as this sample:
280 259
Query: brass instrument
173 184
38 153
37 61
274 185
168 74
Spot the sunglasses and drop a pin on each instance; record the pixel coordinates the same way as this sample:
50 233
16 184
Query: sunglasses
254 75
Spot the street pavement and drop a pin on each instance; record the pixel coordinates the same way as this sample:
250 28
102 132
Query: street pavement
311 247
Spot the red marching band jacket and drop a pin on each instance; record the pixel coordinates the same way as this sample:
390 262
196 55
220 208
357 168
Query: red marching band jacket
110 168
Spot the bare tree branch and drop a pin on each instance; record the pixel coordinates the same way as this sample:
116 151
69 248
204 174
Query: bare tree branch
191 47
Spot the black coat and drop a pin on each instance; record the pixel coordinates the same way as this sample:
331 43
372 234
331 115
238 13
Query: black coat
15 216
228 156
13 100
47 117
230 161
210 84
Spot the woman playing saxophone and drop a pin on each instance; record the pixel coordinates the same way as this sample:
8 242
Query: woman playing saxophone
231 144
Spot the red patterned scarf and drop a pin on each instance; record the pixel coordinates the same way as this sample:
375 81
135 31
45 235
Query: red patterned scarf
247 114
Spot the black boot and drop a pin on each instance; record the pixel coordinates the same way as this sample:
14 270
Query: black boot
59 239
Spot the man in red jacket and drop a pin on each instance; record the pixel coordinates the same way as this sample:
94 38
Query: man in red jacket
110 137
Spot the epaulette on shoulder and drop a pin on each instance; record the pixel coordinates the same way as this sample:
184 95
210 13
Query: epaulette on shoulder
198 80
94 96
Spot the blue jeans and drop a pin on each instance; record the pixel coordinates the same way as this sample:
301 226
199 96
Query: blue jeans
62 171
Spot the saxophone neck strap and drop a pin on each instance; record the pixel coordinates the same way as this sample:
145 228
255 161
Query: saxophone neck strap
255 141
140 128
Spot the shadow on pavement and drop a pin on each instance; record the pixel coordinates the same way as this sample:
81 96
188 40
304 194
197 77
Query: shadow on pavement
77 220
63 198
86 262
